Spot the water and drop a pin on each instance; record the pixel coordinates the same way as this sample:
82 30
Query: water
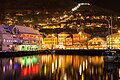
58 67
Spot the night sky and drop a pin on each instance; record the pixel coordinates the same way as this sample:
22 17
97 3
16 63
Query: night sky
108 4
56 4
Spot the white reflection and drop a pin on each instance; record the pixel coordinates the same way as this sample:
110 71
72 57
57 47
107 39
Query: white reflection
65 77
4 69
52 67
80 70
56 64
86 63
83 65
10 61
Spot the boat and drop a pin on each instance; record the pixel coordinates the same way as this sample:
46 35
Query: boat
110 55
48 51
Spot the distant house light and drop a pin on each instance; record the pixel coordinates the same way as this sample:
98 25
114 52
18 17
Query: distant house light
118 31
84 3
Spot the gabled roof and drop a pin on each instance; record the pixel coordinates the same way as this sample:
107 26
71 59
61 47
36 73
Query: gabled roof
115 34
26 30
4 29
96 38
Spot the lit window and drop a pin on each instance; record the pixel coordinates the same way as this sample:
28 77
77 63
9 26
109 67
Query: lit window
4 40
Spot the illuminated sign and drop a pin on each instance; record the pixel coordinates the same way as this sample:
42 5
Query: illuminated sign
29 36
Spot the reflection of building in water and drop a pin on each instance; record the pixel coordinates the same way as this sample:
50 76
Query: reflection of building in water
58 67
8 69
111 71
18 68
28 60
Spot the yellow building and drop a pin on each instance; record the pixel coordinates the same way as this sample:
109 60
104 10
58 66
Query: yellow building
97 43
49 42
62 37
113 41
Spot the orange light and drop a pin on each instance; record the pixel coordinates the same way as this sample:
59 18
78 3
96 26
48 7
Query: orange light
27 35
34 36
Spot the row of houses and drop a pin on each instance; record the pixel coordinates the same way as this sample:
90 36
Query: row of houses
81 40
19 38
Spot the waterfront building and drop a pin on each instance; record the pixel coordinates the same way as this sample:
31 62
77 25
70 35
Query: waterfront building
7 40
113 40
76 39
49 42
28 38
61 37
97 43
80 40
68 42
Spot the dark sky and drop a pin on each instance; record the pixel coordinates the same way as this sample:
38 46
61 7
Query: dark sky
109 4
54 4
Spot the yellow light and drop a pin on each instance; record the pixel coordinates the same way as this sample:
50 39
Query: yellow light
10 61
52 67
118 31
80 33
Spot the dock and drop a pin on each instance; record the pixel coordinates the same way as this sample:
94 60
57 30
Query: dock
56 52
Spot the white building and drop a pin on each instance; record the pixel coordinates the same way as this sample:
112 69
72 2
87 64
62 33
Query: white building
28 38
6 38
19 38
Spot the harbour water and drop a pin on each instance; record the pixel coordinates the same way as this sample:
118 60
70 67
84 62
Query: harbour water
58 67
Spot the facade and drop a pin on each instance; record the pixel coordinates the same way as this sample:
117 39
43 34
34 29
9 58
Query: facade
19 38
80 40
97 43
49 42
68 42
28 38
113 41
76 39
7 40
61 38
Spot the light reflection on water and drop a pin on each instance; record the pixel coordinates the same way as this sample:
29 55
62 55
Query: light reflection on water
58 67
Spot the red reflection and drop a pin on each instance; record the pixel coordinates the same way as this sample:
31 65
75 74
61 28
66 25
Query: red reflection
30 70
34 69
24 72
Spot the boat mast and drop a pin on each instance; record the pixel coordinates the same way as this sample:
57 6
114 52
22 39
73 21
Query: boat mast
110 32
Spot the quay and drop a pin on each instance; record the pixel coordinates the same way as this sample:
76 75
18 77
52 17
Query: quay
19 53
85 52
56 52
